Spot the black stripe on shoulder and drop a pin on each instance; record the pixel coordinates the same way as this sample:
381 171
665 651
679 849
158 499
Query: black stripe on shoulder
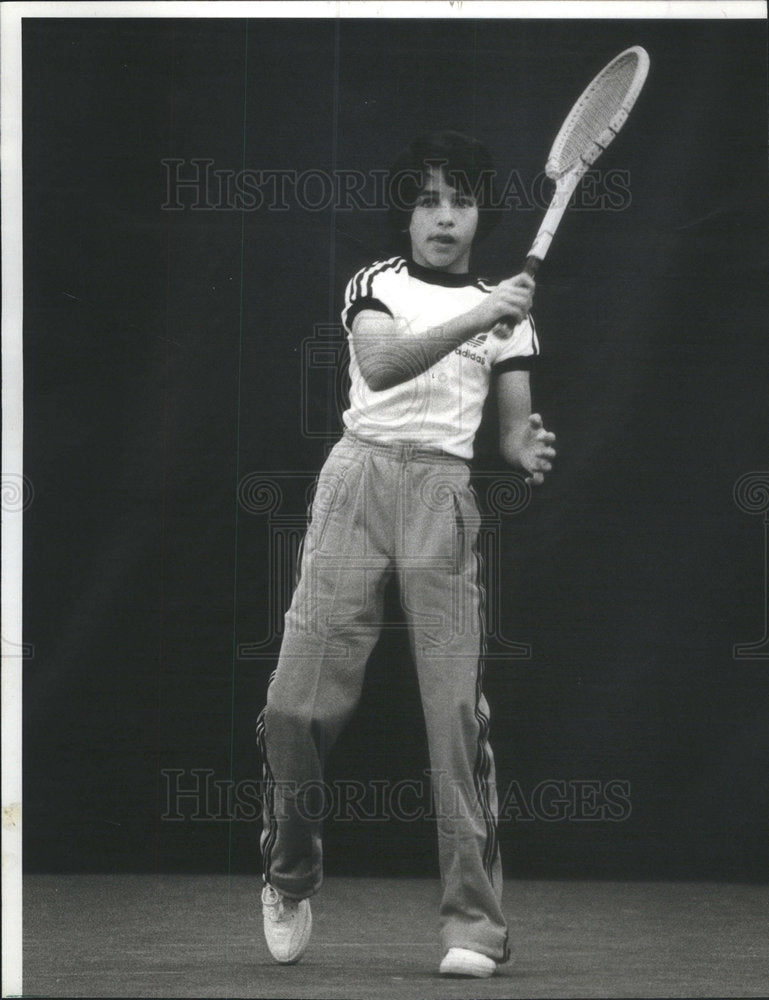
534 338
367 302
365 280
525 363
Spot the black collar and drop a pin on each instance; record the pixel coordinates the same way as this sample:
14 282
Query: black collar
446 278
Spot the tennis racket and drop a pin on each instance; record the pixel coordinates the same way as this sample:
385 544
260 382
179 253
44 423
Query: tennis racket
593 122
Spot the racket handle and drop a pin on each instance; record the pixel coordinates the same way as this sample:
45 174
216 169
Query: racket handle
532 265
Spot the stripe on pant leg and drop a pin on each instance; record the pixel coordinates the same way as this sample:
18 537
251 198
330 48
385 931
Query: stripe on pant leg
268 781
300 551
482 768
268 778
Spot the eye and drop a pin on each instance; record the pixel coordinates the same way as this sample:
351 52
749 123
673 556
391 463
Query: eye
426 198
464 201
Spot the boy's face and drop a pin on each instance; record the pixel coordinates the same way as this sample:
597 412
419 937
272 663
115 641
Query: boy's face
443 225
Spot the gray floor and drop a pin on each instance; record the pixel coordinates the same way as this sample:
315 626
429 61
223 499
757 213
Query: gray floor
190 936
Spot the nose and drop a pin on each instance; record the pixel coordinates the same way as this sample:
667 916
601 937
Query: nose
445 217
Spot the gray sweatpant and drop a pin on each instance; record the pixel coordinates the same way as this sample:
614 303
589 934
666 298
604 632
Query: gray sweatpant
376 508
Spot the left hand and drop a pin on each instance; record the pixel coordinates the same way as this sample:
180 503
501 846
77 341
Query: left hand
536 450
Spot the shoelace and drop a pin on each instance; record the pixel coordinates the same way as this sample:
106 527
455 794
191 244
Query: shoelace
274 900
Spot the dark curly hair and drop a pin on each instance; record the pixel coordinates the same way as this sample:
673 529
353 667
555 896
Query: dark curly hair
466 164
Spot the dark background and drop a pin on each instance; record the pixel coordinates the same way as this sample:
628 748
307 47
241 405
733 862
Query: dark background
163 366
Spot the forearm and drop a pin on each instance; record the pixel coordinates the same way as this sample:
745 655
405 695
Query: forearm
514 405
523 440
512 440
399 355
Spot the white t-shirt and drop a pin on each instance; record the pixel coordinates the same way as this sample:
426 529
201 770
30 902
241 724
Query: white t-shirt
440 407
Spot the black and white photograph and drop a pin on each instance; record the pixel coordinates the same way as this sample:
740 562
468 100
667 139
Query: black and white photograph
385 500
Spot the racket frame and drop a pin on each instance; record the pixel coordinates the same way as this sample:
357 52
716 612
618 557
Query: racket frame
567 179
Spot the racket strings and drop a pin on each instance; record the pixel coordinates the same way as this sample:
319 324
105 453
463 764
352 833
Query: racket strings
593 115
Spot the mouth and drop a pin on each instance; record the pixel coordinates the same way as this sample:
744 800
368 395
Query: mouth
443 239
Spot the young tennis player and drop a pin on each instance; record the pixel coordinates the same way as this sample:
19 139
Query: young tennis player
427 340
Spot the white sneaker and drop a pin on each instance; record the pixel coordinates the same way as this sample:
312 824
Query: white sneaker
463 962
287 925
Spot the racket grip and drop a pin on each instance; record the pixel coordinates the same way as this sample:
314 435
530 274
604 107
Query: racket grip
532 265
